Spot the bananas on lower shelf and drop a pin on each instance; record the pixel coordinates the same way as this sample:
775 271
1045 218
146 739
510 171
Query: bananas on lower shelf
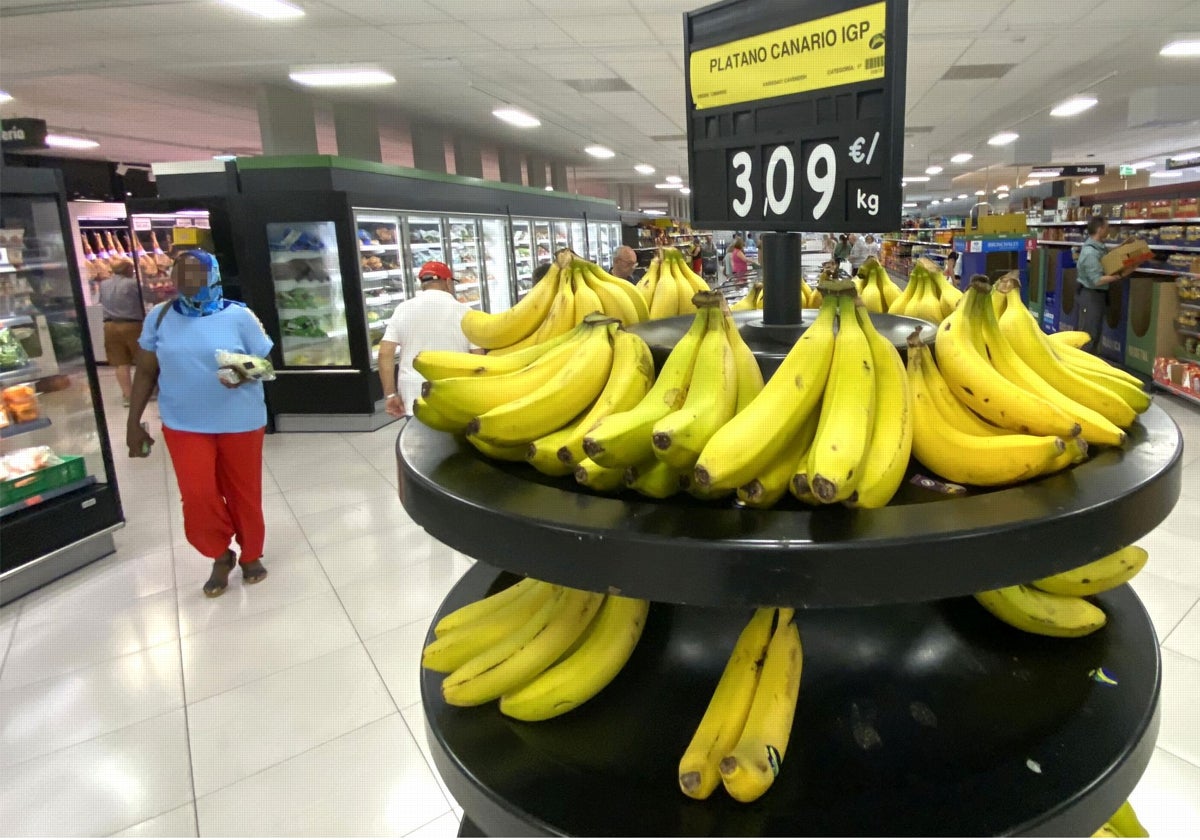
810 298
834 424
542 650
928 295
876 287
573 289
1124 823
669 285
1054 606
744 734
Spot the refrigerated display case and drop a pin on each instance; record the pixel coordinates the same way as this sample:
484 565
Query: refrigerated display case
523 251
497 265
561 237
59 503
426 242
579 243
382 263
310 301
466 261
543 247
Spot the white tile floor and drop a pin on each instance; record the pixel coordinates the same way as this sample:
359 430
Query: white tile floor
130 704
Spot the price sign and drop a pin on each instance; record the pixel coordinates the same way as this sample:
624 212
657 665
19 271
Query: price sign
796 114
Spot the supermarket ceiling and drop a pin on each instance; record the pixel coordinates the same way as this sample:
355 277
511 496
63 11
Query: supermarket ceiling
157 80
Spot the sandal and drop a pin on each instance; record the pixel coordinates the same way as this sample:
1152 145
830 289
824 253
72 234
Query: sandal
253 572
218 581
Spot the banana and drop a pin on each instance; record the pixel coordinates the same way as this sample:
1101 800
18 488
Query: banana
711 402
769 487
604 649
656 479
847 412
740 450
632 375
586 300
890 290
748 302
598 478
1132 395
1027 339
562 314
947 294
623 440
871 296
615 304
725 717
435 419
925 303
454 648
551 406
1082 360
749 374
476 611
981 387
648 283
1027 609
984 461
498 452
683 290
1106 830
899 305
449 364
886 459
950 409
751 767
1101 575
502 329
1126 823
1075 452
665 303
1071 338
625 288
524 654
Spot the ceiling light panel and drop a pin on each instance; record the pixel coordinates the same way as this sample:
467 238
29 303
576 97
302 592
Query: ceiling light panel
517 117
1003 138
1187 48
341 77
1073 106
267 9
601 152
933 170
962 157
644 169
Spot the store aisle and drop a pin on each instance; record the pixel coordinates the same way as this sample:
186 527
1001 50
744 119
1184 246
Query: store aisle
130 704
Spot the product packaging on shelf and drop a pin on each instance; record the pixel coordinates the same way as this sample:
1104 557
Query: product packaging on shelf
21 403
1126 256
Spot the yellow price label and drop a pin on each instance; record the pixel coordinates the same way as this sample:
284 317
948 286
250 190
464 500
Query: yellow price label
836 50
185 236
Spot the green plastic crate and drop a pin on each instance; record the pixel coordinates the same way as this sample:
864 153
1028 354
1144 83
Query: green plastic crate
71 469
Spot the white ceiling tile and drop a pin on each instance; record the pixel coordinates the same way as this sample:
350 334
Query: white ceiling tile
397 12
445 38
1040 15
602 30
519 33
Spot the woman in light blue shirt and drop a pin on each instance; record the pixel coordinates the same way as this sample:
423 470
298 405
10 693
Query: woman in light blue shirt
213 429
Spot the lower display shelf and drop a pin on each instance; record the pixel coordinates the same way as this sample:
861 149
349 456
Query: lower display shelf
925 719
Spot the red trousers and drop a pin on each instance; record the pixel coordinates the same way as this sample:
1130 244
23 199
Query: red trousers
220 479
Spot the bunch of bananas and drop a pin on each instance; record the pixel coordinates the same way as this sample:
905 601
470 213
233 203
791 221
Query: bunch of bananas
1004 403
652 446
928 295
669 285
1124 823
504 403
1055 606
810 298
876 287
743 736
542 650
571 290
834 424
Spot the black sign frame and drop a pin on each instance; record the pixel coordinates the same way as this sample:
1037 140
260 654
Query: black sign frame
22 133
836 116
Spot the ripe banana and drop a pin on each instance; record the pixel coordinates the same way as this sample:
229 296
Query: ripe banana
749 374
562 313
523 654
552 405
623 440
598 478
454 648
656 479
448 364
751 767
665 303
952 411
886 459
1071 338
1126 823
614 303
465 616
605 647
648 283
740 451
725 717
623 287
769 487
433 418
498 451
847 412
502 329
684 291
1027 609
586 300
1101 575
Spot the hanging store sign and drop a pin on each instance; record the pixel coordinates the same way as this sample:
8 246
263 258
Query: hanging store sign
1054 170
796 114
22 133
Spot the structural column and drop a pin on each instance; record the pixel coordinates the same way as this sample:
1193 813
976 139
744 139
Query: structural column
429 147
468 157
357 130
558 177
510 165
285 121
537 170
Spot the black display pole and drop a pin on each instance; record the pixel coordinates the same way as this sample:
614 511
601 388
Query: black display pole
782 274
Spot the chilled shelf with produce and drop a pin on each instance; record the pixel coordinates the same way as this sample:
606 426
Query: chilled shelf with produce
308 294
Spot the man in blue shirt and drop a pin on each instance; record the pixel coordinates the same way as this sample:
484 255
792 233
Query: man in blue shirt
1093 282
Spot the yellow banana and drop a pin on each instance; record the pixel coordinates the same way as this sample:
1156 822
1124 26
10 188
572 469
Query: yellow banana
1027 609
665 303
435 419
454 648
586 300
552 406
769 487
1132 395
1126 823
624 287
448 364
523 654
746 303
725 717
649 283
886 458
891 292
623 440
598 478
477 610
1081 360
847 412
1101 575
871 297
749 374
606 646
656 479
615 304
740 451
951 410
683 290
751 767
1071 338
926 305
502 329
899 305
497 451
562 313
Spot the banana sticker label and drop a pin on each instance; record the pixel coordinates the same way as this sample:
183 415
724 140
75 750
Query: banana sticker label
773 760
840 49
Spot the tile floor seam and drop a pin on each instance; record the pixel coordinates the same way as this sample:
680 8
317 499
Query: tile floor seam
12 633
154 817
431 822
1169 751
97 737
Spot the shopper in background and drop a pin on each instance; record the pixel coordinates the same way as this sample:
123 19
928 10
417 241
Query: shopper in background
951 269
1093 282
214 430
695 255
624 261
739 263
541 271
858 252
121 301
873 247
430 321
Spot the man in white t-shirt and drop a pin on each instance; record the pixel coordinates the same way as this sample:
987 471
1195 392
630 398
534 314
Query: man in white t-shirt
430 321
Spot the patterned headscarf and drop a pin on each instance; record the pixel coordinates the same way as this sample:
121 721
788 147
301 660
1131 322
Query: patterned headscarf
210 298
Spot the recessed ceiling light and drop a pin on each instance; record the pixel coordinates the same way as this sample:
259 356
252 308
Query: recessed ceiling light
549 188
269 9
644 169
914 179
5 97
1189 48
517 117
1184 158
673 179
1001 188
1004 138
1166 174
980 192
63 141
936 201
1144 164
655 212
933 170
666 186
342 77
964 195
602 152
1002 196
225 157
962 157
1032 182
1074 105
1091 179
685 190
909 204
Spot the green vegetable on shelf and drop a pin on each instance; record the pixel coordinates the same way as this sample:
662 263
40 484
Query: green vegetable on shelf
302 327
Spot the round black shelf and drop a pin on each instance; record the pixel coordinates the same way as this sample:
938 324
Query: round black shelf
923 546
920 719
772 343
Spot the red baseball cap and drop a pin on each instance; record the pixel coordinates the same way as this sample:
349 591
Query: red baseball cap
436 270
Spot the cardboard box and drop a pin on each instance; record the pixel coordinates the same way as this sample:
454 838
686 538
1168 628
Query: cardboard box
1187 208
1126 256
